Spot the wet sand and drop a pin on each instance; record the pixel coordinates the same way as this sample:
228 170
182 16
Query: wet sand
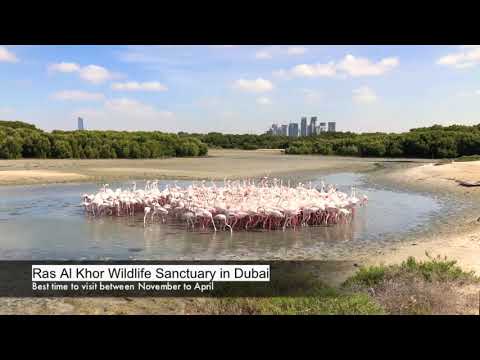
459 239
218 165
433 177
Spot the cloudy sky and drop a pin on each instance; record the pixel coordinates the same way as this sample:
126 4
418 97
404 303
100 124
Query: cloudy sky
239 89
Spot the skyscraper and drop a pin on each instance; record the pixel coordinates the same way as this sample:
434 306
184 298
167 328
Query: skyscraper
284 131
313 125
80 124
293 130
275 129
323 127
331 126
303 127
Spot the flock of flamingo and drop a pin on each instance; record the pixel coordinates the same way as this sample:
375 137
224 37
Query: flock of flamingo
237 205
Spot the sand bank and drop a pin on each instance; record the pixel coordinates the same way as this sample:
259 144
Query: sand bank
14 177
436 178
218 165
459 240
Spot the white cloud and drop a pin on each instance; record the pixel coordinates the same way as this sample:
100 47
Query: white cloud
296 50
349 65
95 74
314 70
77 95
6 55
128 114
264 101
136 86
263 55
467 56
468 93
64 67
364 67
259 85
364 95
92 73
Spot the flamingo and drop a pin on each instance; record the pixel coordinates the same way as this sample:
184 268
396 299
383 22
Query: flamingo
268 205
146 211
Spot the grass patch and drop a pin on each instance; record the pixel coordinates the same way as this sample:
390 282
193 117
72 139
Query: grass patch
367 276
308 295
328 302
435 286
435 269
339 304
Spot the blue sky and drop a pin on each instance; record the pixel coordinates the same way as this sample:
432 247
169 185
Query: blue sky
239 89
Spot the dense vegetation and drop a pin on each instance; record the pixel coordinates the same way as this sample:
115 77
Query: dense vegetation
22 140
18 139
432 142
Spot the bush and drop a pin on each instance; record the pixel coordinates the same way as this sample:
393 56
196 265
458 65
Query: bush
250 147
10 148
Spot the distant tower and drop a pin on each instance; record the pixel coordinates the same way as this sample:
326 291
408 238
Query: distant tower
80 124
284 131
293 130
303 127
332 126
323 127
313 125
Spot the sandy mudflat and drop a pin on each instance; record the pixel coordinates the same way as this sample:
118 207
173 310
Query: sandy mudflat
463 246
443 178
218 165
12 177
460 240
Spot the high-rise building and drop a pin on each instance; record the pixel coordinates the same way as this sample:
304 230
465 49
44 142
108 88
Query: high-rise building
331 126
303 127
284 131
313 125
293 130
322 127
80 124
275 129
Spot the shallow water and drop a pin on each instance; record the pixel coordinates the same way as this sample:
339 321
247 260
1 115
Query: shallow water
47 222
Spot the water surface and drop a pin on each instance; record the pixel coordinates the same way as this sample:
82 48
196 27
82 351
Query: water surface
47 222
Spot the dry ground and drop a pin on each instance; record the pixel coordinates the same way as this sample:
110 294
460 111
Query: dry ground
218 165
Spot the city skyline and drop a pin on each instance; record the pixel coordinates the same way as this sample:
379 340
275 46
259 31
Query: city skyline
293 129
239 89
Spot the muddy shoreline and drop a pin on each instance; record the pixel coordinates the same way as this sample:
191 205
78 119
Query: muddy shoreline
458 238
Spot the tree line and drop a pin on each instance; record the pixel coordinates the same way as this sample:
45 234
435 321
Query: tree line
428 142
22 140
18 139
